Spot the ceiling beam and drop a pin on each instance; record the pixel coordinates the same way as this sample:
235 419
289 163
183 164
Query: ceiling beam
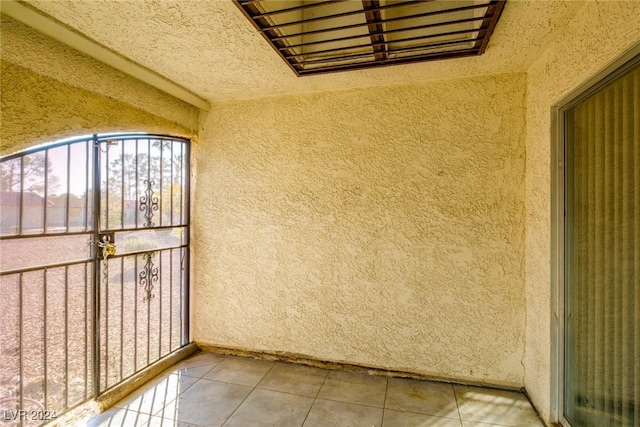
60 32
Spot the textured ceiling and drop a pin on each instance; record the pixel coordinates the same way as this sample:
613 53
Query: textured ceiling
210 48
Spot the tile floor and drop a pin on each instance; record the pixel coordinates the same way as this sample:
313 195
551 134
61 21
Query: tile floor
213 390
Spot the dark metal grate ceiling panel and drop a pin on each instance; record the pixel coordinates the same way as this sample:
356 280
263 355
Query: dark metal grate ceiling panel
320 36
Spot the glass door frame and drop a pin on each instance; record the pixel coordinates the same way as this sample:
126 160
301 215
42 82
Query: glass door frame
616 68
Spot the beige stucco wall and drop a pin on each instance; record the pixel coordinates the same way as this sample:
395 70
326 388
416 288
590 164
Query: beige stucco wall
598 33
382 227
50 91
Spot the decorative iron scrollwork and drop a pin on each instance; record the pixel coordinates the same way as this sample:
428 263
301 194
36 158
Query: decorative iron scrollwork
148 276
149 203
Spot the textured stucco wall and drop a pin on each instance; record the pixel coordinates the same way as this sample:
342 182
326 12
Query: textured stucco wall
598 33
50 91
382 227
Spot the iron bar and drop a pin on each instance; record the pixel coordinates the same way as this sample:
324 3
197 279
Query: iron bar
38 148
95 351
160 304
343 14
296 8
398 18
106 323
171 298
90 139
83 261
29 236
121 317
80 261
44 327
149 193
137 182
406 60
122 211
182 300
86 186
172 184
68 212
148 330
86 335
392 51
374 19
135 319
451 33
182 166
66 336
161 180
21 209
46 192
398 30
185 240
40 267
495 9
40 236
20 341
106 187
258 22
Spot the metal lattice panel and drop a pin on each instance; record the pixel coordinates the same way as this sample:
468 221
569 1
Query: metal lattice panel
336 35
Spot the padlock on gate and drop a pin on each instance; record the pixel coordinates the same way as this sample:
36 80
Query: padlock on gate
107 248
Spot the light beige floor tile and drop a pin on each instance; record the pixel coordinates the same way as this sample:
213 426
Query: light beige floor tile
197 365
295 379
495 407
167 422
408 419
424 397
241 371
152 396
118 417
478 424
207 403
339 414
355 388
271 408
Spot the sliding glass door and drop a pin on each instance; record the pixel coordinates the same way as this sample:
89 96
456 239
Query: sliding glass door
602 254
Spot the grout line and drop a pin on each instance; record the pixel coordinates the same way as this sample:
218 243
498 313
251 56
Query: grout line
315 399
309 411
384 404
248 394
162 409
427 415
324 380
352 403
455 396
166 375
286 392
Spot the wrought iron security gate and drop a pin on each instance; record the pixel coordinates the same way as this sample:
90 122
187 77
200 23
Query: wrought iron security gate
93 268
